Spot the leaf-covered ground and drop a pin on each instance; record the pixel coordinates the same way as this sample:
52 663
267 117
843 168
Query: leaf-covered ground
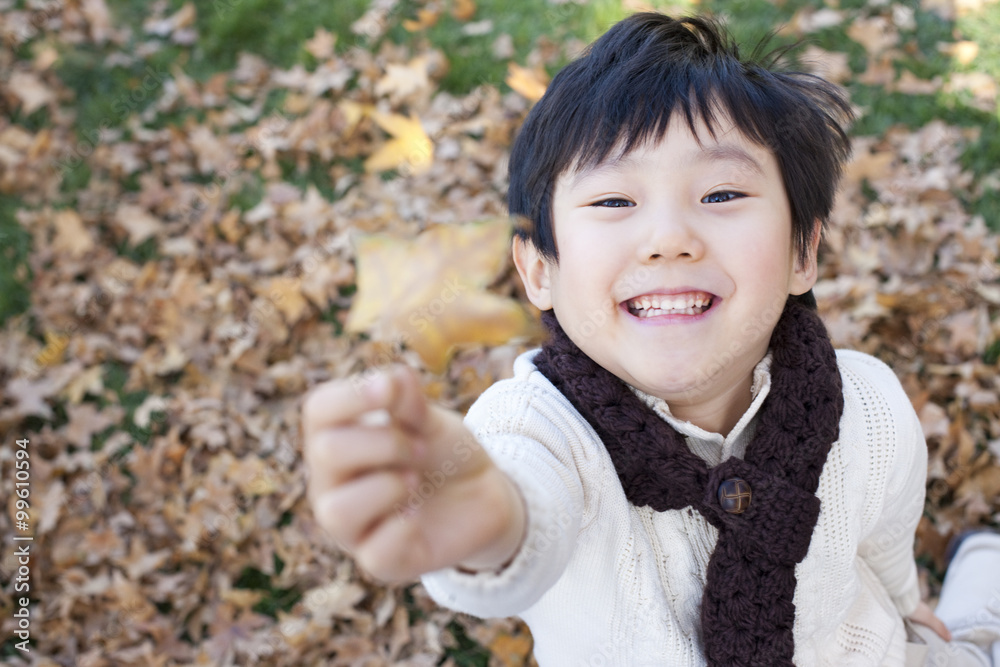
208 207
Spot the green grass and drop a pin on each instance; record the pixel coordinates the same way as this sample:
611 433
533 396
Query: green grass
983 27
466 652
471 59
273 29
15 274
273 599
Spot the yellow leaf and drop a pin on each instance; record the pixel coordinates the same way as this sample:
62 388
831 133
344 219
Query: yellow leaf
353 113
54 351
464 9
511 650
426 18
429 293
410 149
529 83
964 52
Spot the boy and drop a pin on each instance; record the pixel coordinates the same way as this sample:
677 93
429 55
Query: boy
686 473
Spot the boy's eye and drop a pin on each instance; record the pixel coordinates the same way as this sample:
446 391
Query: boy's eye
613 203
720 197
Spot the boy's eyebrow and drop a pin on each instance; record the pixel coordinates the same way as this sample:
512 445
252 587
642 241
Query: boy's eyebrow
618 163
722 152
730 153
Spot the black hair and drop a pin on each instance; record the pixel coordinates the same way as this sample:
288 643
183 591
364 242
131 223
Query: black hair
624 89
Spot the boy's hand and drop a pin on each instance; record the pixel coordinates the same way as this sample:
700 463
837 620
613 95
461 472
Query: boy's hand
402 484
924 616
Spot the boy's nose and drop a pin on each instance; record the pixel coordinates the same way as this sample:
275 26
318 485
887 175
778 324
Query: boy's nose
670 237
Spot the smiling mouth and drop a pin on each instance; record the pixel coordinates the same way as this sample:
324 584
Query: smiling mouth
654 305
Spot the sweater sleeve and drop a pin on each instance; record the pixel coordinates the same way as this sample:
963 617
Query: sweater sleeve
522 426
897 483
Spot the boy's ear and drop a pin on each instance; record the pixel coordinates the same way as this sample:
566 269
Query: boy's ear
534 271
807 271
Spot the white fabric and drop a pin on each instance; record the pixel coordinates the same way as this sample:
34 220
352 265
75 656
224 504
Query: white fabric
970 605
932 651
601 582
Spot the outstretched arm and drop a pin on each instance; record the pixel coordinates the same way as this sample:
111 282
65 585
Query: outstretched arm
371 448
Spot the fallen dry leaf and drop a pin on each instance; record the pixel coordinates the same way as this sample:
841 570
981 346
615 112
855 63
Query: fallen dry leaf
353 113
909 83
29 89
401 81
55 349
464 10
285 294
827 64
530 83
964 52
426 18
137 223
409 149
429 293
71 235
511 650
321 44
876 34
981 85
98 18
164 544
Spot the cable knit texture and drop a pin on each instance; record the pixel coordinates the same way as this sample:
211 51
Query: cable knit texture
747 609
601 581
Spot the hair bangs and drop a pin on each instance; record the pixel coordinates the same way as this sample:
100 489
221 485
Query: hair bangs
632 109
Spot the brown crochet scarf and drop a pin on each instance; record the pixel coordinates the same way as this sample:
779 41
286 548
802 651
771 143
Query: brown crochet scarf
747 611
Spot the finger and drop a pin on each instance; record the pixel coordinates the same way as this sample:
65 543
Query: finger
940 628
335 456
396 389
406 402
924 616
336 403
350 511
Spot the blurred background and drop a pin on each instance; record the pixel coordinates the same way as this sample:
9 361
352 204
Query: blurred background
208 207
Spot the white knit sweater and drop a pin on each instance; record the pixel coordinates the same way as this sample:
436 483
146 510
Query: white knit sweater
601 582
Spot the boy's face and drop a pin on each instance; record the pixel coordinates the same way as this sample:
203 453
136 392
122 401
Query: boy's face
674 262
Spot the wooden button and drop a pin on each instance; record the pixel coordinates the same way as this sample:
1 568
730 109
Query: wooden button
734 495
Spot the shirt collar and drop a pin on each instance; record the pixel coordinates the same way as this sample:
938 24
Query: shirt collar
714 448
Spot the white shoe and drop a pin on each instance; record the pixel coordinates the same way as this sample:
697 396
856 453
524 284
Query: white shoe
970 596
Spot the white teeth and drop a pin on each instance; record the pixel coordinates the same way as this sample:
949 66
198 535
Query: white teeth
652 306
